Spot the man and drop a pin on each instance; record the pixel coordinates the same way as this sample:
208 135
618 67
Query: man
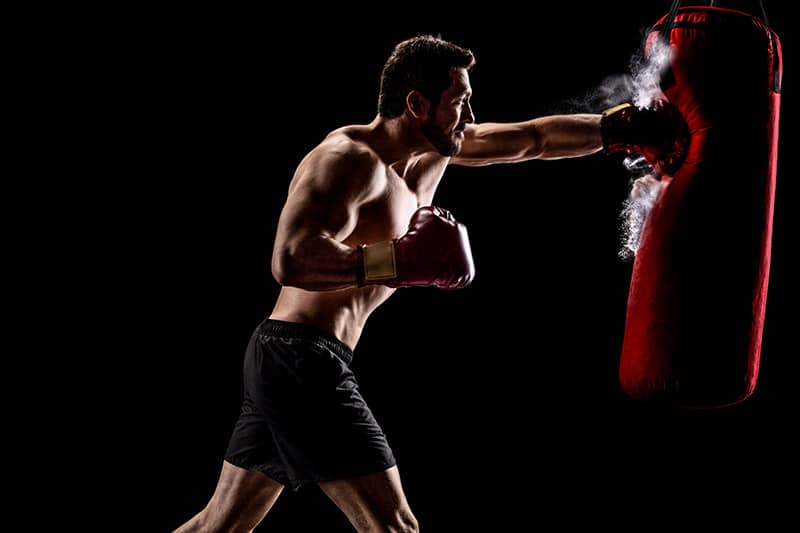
357 223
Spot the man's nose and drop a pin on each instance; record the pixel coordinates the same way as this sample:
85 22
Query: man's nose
468 116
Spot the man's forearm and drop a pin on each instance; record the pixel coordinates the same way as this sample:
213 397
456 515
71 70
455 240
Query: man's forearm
569 135
316 264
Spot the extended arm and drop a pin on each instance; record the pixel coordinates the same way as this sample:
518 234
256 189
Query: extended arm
549 137
657 132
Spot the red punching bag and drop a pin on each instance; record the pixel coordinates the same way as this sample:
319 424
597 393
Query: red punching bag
699 283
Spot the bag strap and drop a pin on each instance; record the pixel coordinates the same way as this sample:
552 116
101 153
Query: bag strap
669 24
676 5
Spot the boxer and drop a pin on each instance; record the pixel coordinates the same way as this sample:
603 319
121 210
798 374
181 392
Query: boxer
358 223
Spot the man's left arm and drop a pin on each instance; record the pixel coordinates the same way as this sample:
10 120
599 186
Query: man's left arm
551 137
658 132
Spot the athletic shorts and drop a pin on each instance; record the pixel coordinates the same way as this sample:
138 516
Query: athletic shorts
303 418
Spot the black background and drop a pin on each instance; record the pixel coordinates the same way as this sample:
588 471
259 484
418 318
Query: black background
501 401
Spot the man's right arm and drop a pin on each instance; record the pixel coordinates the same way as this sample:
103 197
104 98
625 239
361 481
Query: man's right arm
320 211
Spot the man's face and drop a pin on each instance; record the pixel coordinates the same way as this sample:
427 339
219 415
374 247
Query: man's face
444 126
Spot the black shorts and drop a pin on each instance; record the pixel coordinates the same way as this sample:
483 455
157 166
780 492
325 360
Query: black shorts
303 418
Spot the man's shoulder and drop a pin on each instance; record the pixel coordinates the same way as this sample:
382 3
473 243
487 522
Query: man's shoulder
341 160
345 146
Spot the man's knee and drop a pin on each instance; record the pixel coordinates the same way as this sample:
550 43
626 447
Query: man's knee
400 521
403 521
408 524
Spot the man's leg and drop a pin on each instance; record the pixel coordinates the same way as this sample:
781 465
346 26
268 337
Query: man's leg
241 500
373 503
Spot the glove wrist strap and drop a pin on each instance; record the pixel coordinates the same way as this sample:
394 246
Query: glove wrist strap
620 107
378 262
612 129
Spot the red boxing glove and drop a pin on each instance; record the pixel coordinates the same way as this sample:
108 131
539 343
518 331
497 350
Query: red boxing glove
658 132
434 252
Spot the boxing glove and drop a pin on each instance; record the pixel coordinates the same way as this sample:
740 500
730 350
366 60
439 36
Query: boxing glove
658 132
435 251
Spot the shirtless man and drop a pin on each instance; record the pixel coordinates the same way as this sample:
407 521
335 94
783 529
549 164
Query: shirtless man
357 224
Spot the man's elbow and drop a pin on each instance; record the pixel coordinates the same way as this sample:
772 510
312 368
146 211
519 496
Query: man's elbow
283 268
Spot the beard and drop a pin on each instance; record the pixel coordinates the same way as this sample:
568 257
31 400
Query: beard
446 145
635 209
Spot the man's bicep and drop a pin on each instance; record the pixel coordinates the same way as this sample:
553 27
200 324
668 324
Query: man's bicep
313 211
325 196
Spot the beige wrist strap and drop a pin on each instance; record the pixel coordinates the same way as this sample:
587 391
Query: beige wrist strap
612 110
379 261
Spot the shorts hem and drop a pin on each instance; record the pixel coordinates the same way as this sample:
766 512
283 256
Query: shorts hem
266 470
295 484
356 473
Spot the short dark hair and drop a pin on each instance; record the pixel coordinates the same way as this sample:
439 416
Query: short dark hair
422 63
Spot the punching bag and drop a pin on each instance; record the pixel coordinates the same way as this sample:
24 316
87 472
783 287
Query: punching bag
698 288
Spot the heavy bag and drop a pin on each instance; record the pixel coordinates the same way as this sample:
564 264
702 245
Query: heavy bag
699 282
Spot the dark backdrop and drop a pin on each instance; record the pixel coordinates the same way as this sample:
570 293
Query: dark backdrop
501 401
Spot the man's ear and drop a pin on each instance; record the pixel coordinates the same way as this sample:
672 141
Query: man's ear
417 104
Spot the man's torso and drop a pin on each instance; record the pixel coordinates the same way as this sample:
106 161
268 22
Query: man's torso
399 189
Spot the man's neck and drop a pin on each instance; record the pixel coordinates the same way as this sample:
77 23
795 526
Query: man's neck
397 140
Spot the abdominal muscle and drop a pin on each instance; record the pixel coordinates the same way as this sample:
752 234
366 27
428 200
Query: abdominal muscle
341 313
